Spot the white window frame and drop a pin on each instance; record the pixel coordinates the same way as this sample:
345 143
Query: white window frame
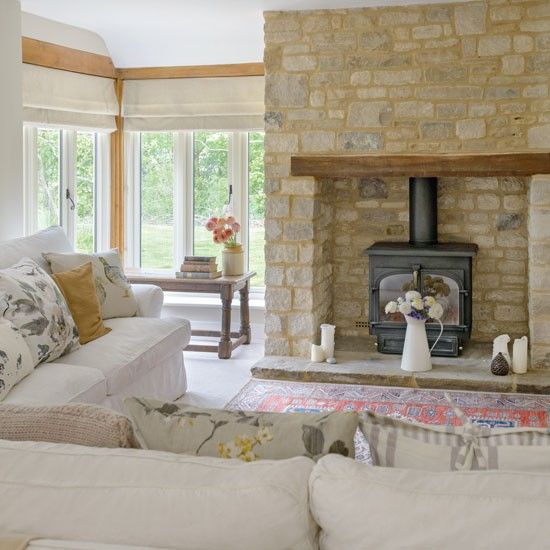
102 195
183 193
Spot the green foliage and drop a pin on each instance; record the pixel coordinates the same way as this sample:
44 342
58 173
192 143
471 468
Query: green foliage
49 177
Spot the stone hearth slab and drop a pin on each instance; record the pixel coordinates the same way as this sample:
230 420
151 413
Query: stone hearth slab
468 372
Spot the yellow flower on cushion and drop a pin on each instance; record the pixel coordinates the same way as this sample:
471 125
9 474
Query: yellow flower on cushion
223 451
264 435
248 457
244 444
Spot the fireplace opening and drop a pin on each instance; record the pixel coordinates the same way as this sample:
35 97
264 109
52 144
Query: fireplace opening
441 270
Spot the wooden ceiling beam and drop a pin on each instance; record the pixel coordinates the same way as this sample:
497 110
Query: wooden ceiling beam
462 165
53 56
192 71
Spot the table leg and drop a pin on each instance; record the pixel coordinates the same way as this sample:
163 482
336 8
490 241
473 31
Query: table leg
225 345
245 314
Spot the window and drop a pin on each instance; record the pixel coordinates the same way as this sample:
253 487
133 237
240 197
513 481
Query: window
66 183
177 180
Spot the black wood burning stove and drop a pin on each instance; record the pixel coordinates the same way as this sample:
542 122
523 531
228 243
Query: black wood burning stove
442 270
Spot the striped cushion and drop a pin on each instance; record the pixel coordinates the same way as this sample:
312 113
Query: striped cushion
397 443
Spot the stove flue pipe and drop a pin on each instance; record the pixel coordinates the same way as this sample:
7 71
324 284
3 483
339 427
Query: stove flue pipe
422 211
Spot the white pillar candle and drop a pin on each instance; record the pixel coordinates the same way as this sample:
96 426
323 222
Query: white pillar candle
317 354
519 360
500 345
327 340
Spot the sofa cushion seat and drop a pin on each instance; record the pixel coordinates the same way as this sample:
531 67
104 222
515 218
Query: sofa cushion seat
147 498
132 348
58 383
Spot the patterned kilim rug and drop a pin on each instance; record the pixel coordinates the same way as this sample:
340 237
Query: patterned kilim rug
427 406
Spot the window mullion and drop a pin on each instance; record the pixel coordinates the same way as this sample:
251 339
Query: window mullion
180 198
68 175
103 198
31 180
189 182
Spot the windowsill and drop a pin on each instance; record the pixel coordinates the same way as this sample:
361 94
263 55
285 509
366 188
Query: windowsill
256 300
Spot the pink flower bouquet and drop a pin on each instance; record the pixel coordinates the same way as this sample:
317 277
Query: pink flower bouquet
224 230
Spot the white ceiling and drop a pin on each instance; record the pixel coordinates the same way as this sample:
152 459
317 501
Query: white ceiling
147 33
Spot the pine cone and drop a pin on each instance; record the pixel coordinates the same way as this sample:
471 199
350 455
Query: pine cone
499 365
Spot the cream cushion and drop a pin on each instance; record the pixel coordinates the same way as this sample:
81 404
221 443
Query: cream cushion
16 360
52 239
31 300
146 498
361 507
245 435
114 292
133 347
398 443
76 423
58 383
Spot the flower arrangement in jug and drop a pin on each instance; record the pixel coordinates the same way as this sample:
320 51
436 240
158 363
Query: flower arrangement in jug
224 230
416 306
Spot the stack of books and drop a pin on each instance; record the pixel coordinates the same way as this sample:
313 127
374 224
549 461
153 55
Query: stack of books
199 267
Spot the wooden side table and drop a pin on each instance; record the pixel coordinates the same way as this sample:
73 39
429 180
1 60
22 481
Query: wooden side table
226 288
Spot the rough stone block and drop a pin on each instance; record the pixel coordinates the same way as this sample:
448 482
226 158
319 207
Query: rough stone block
315 141
299 186
539 62
507 222
539 223
414 109
523 43
373 188
470 18
281 253
299 276
277 207
277 346
278 299
281 143
471 128
300 324
427 31
510 313
396 78
300 63
283 90
488 201
494 45
539 137
359 141
437 130
513 64
361 78
539 191
298 231
369 114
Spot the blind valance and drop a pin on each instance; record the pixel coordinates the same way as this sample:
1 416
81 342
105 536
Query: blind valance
58 98
222 103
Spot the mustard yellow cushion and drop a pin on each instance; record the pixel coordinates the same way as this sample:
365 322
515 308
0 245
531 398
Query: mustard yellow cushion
78 287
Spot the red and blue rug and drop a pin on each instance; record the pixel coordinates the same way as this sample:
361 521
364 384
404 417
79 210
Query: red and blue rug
427 406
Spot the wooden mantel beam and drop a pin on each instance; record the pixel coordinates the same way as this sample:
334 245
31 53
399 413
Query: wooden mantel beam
460 165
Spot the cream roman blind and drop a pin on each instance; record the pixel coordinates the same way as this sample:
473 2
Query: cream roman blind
224 103
68 100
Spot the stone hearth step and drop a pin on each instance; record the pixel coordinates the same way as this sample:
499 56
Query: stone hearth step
469 372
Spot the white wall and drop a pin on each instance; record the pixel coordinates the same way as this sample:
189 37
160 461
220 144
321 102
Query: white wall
11 129
47 30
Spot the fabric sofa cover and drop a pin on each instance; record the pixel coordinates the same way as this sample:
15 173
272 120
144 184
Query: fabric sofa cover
141 356
129 350
148 498
361 507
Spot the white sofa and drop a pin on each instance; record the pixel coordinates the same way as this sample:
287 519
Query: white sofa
82 498
142 355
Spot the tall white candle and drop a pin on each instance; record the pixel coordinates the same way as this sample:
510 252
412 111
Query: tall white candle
519 359
317 354
327 340
500 345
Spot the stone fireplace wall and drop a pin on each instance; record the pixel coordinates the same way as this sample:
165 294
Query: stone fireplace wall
468 77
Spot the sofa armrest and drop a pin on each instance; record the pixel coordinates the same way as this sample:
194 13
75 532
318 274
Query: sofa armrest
150 299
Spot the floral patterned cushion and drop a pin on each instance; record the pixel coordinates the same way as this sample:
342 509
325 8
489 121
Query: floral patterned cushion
113 289
32 302
15 358
247 436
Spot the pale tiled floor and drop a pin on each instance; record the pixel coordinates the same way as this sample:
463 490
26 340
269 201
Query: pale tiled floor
212 382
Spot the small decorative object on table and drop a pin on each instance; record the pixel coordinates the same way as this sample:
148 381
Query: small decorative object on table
224 231
199 267
417 310
499 365
519 361
327 341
